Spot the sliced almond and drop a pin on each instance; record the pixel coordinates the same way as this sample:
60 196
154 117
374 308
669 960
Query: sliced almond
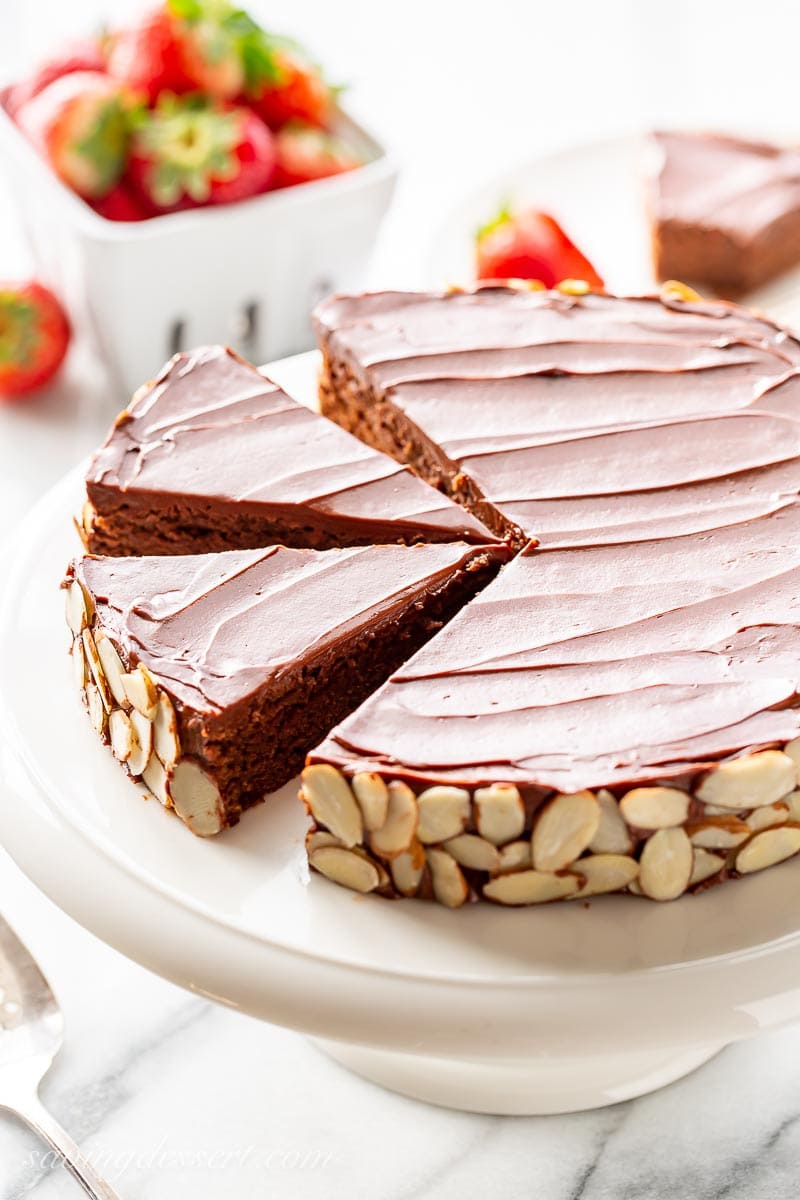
155 779
718 833
112 666
77 615
613 836
499 813
195 798
792 802
165 732
400 827
793 750
142 743
768 816
121 734
372 795
474 852
605 873
673 289
665 867
98 714
515 856
443 813
655 807
449 885
706 864
531 887
317 838
332 803
749 782
96 669
141 692
768 848
563 830
407 870
79 668
346 868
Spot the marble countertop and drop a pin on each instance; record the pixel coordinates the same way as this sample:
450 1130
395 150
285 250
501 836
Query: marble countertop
173 1096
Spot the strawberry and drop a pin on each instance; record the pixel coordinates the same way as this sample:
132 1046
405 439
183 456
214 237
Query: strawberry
120 205
296 92
189 152
79 123
146 57
305 153
34 335
530 245
84 55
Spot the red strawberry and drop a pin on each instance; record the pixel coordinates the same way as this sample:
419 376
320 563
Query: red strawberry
296 92
85 55
306 153
79 123
530 245
147 56
188 152
120 205
34 335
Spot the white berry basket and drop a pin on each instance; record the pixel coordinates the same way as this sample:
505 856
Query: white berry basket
247 274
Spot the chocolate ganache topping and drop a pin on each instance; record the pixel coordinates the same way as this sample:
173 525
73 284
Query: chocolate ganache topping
653 448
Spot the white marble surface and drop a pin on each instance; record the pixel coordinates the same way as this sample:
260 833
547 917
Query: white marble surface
175 1097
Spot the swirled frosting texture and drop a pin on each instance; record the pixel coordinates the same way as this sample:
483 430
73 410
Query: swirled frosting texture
654 449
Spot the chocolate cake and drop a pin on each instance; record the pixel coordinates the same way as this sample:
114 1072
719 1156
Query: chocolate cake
211 676
619 709
212 456
725 212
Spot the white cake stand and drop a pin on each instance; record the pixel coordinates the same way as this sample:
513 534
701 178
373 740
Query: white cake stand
544 1010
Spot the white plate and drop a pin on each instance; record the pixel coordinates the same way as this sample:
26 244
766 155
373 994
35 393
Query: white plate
536 1010
596 192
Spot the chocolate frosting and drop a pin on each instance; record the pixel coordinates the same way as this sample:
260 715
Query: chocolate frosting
718 182
213 628
212 426
654 448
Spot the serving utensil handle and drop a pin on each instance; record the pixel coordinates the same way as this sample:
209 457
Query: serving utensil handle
34 1114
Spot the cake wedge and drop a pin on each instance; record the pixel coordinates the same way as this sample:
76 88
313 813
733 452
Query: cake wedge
211 676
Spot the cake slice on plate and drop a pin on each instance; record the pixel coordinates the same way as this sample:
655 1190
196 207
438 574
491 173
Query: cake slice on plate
211 676
725 211
212 456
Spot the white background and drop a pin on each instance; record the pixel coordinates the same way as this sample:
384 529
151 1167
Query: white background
459 89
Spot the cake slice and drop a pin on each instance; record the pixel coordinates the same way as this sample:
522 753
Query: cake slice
211 676
212 456
725 212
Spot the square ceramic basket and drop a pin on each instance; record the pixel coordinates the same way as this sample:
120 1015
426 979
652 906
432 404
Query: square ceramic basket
247 274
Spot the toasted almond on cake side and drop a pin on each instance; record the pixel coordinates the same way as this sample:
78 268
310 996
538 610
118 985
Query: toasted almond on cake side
141 692
332 803
372 795
792 749
80 670
673 289
120 732
474 852
154 776
408 868
613 835
768 848
142 743
400 827
665 867
76 611
655 807
443 813
706 864
346 868
96 669
563 830
112 666
792 802
98 714
499 813
718 833
449 885
195 798
317 838
605 873
768 816
749 782
515 856
531 887
166 742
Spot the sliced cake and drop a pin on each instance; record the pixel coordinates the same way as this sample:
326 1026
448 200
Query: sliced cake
212 456
725 211
211 676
